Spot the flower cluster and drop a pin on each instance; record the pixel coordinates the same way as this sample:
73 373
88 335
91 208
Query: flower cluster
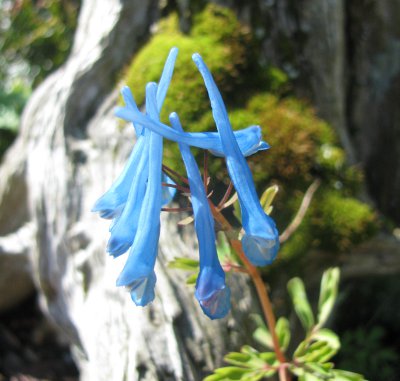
135 199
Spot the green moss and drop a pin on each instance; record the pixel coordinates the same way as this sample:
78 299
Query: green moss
342 222
294 133
223 50
334 222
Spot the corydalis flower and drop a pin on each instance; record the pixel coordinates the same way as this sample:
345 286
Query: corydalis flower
111 204
261 240
248 139
211 290
138 272
124 227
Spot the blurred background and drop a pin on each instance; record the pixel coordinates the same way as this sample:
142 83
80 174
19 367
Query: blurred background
322 79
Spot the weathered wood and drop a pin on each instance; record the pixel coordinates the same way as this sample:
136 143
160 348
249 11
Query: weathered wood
69 151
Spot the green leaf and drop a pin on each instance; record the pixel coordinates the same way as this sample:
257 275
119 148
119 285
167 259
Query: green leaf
236 358
236 211
184 264
251 358
309 377
301 349
268 197
269 358
191 279
283 332
328 294
232 372
300 302
225 253
262 334
227 373
344 375
318 369
328 336
318 352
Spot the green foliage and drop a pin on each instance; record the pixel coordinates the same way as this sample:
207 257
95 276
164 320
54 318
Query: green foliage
310 359
248 365
12 101
268 197
39 33
263 336
300 303
35 38
327 297
187 264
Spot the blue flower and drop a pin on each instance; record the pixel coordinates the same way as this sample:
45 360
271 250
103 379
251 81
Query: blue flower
261 240
249 139
111 204
124 227
211 290
168 193
138 272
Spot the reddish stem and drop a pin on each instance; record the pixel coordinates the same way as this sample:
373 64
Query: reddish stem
189 209
179 187
263 296
170 172
226 196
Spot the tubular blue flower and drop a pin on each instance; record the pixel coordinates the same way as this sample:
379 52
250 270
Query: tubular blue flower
261 240
168 193
249 139
124 228
111 204
211 290
138 272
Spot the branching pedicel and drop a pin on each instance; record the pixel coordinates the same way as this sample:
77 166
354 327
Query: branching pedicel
145 186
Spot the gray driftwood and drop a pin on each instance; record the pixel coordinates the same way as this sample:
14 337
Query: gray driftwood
69 151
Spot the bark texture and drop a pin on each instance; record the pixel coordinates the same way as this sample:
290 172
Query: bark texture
68 153
345 57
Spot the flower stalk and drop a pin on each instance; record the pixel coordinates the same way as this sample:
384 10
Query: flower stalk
261 290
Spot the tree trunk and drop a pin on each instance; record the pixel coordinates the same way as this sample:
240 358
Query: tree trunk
344 55
69 151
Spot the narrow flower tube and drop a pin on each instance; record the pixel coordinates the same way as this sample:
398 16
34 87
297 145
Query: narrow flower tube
138 272
261 240
211 290
248 139
111 204
168 193
124 227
